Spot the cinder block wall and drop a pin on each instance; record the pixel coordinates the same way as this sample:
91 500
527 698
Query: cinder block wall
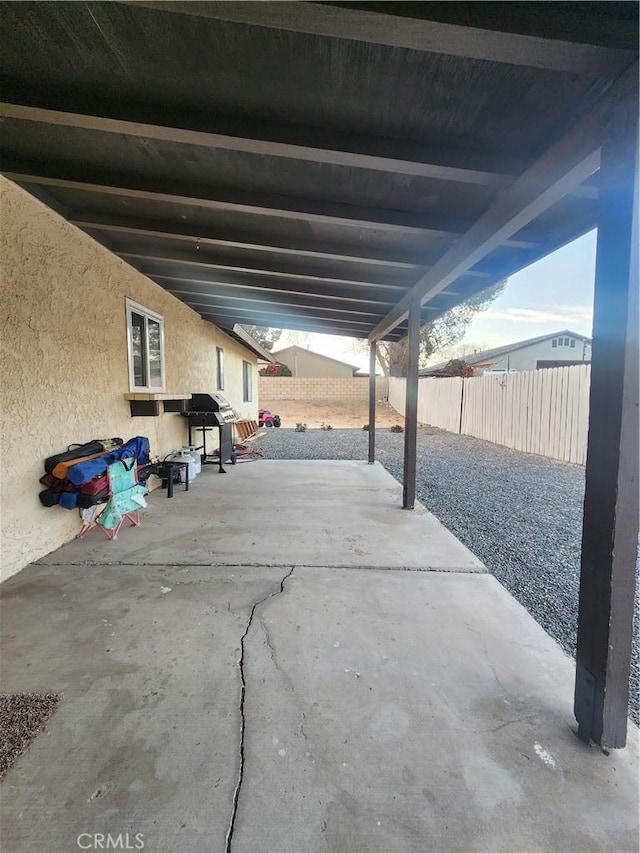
352 388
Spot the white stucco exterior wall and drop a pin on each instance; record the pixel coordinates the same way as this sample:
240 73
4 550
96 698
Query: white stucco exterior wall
64 366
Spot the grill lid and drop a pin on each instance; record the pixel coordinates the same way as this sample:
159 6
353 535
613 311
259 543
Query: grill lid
210 410
209 403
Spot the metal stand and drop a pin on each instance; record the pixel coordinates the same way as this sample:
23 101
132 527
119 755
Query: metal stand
226 440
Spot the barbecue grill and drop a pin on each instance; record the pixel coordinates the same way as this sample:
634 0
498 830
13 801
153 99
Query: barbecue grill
206 412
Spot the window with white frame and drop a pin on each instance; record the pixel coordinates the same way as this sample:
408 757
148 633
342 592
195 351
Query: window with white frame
145 344
246 381
563 342
220 368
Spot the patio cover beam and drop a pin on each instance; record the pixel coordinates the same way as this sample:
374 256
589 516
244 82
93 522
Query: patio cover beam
227 319
610 524
351 151
272 279
256 204
413 33
253 273
209 236
360 313
272 315
193 259
563 166
259 306
179 286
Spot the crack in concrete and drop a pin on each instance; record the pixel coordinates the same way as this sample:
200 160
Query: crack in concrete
503 725
243 693
487 656
272 653
267 642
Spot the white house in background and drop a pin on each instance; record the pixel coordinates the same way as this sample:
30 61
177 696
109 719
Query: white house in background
560 349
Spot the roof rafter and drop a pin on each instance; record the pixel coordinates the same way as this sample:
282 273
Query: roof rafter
284 207
297 248
225 320
278 319
205 287
389 156
564 165
269 275
259 306
354 152
412 33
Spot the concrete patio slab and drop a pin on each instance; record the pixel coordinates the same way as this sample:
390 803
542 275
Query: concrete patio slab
407 712
147 738
272 512
382 709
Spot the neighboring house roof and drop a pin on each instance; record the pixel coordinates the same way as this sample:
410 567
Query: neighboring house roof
293 347
243 337
490 355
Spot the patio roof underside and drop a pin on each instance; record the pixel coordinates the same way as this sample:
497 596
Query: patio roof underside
304 165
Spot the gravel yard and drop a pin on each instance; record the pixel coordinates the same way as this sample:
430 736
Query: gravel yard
520 514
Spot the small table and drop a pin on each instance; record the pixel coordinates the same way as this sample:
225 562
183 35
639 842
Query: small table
166 470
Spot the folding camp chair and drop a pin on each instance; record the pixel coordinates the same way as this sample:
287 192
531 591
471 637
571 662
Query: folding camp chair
126 497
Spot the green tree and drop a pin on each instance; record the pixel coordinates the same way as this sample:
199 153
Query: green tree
443 332
266 337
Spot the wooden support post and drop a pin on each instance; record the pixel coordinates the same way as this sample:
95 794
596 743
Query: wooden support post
411 407
610 525
372 403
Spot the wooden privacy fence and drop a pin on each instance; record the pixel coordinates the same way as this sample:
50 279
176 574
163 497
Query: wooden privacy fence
540 411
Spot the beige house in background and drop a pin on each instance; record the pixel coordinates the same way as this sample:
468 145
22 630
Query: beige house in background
81 332
311 365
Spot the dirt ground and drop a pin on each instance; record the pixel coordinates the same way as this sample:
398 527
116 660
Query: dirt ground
339 415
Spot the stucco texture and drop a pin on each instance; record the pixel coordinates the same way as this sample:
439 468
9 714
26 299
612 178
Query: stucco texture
64 368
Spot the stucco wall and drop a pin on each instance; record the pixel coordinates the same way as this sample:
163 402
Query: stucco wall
302 388
63 363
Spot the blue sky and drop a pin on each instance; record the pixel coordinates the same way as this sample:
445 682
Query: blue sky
554 293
